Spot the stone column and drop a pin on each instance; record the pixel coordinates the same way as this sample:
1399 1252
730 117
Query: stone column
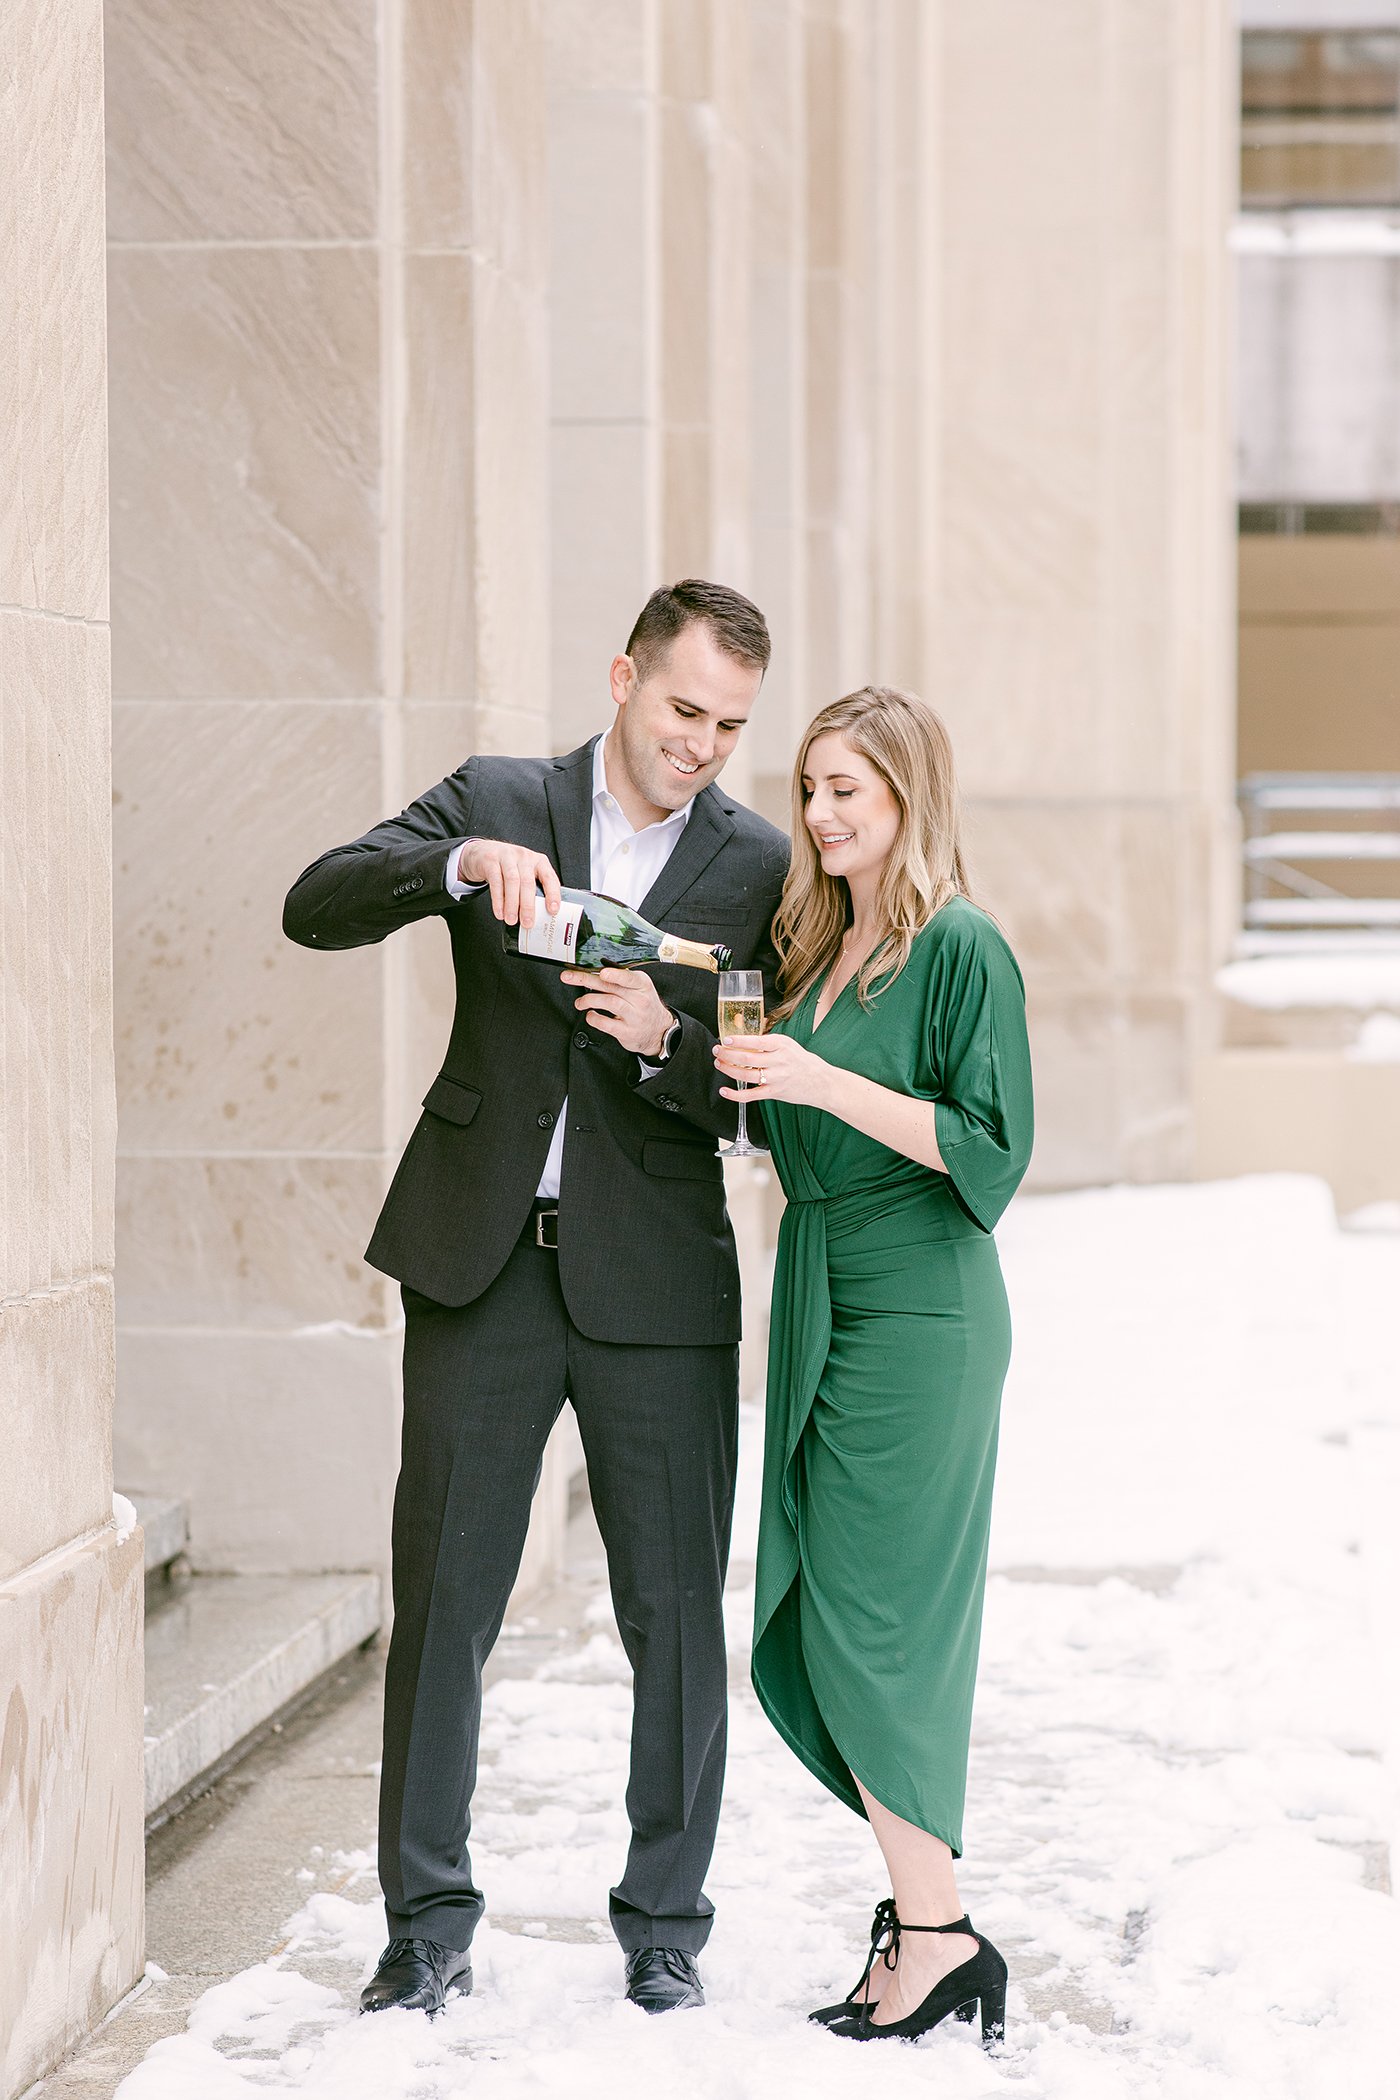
904 368
651 139
841 123
778 386
71 1863
1078 566
649 184
330 563
605 319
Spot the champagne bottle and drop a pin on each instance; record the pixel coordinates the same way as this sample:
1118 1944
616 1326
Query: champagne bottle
591 932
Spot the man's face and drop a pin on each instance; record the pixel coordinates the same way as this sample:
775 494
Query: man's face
676 731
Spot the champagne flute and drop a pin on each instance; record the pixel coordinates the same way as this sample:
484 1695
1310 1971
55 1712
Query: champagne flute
741 1013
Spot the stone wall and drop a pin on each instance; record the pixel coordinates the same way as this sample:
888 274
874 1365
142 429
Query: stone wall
329 430
1078 593
440 342
71 1926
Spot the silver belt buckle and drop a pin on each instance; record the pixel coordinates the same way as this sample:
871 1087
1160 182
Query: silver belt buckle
543 1218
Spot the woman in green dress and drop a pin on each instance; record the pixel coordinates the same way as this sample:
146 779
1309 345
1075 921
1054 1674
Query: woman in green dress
897 1099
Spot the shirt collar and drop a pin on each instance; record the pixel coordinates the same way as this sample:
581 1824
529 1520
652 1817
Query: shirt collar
603 799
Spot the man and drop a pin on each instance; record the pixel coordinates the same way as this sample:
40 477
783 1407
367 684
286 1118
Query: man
559 1228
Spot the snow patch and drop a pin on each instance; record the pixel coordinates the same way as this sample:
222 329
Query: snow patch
1183 1770
1378 1042
1275 982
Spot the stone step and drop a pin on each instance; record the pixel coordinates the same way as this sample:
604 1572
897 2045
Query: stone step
224 1653
166 1525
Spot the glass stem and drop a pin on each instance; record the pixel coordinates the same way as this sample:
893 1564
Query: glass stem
743 1137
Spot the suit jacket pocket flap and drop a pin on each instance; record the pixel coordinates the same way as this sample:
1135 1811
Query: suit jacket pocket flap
730 916
680 1162
451 1100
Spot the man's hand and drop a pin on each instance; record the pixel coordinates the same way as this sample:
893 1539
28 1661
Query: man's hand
625 1004
512 874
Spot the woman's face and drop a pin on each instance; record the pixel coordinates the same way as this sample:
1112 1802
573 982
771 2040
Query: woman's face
851 812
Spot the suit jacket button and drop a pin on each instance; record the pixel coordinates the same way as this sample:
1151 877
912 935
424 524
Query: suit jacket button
545 1122
582 1039
417 883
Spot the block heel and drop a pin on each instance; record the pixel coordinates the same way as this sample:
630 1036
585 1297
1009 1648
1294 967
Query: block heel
993 2003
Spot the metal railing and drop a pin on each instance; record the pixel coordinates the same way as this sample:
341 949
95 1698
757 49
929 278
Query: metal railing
1314 914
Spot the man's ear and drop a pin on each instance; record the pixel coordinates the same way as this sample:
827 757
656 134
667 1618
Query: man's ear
623 679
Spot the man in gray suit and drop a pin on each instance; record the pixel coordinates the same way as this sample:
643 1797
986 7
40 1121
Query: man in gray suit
558 1225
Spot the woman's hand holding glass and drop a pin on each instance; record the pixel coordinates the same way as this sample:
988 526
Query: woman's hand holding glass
774 1068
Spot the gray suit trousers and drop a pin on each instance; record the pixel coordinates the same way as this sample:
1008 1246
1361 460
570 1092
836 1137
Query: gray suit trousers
483 1384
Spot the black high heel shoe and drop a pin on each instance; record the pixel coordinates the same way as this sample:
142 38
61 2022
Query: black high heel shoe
980 1981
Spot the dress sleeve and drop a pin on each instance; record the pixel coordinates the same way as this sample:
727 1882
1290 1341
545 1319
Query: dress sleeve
983 1111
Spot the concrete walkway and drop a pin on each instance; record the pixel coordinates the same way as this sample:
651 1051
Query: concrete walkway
298 1815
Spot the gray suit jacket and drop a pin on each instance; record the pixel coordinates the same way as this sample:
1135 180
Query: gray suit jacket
646 1251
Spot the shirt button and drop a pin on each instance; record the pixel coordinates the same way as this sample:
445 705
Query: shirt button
582 1039
627 849
544 1121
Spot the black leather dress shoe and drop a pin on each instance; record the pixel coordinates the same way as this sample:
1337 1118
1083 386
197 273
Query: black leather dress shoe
663 1979
416 1974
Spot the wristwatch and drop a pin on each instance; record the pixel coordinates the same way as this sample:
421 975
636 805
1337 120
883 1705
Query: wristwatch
668 1043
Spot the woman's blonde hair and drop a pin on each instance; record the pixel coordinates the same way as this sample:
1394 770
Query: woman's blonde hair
909 747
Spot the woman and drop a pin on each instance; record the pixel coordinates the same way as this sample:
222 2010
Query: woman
897 1096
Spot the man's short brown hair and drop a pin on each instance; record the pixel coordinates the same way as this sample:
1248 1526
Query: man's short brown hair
736 626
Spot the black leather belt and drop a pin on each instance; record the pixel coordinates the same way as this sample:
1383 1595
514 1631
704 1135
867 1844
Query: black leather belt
542 1227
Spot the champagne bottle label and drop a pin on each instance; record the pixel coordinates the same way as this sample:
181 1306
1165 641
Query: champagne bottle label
553 939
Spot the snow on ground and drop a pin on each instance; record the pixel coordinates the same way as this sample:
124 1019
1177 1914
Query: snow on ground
1356 977
1180 1797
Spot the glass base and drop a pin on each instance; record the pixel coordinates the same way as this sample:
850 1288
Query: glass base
741 1151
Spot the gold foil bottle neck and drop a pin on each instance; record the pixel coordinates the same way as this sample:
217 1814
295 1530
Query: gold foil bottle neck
690 953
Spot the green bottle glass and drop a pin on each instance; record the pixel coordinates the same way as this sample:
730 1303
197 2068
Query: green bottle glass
592 932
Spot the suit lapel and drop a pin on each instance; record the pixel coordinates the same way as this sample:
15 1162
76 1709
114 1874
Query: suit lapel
569 792
708 827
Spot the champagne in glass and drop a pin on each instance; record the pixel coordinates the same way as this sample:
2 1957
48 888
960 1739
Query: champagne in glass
741 1013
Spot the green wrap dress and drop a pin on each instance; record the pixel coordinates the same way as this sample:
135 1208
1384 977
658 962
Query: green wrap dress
889 1345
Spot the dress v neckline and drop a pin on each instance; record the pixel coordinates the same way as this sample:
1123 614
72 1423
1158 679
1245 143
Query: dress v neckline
818 1024
821 987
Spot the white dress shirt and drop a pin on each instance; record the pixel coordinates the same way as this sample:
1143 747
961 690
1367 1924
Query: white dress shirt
623 863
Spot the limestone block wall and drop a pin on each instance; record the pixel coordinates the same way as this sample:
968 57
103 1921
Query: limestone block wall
1078 565
440 341
71 1926
326 269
